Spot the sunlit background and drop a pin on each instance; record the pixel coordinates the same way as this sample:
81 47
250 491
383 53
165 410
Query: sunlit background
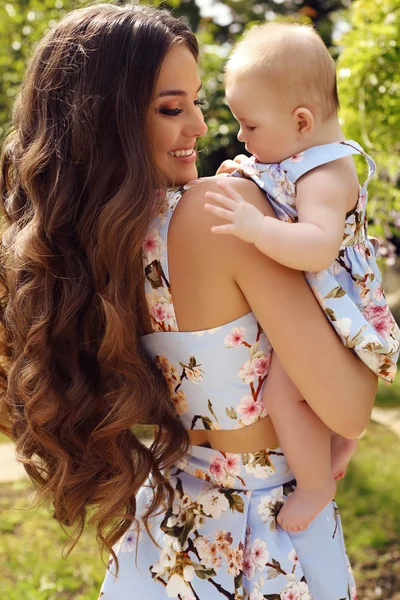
364 38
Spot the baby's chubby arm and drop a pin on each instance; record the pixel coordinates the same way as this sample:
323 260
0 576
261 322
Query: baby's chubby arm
323 198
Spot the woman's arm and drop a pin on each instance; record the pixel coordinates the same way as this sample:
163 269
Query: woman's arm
335 383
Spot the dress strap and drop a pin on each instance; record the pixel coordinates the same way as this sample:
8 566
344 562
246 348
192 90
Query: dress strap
302 163
156 272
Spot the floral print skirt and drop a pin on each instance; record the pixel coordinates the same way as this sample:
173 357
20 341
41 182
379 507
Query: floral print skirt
220 538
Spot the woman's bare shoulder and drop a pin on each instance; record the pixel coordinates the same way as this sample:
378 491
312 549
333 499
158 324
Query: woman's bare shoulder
191 206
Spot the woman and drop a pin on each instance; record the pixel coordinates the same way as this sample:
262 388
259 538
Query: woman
95 306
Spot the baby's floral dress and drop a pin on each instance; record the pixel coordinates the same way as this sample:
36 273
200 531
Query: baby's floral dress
220 538
350 291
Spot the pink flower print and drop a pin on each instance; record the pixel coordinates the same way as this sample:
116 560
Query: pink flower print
235 561
152 245
217 468
380 318
232 464
378 294
214 503
159 312
362 201
360 249
296 591
194 375
160 306
222 539
293 557
249 566
247 372
235 338
202 546
249 409
180 403
261 365
215 556
290 594
297 157
260 554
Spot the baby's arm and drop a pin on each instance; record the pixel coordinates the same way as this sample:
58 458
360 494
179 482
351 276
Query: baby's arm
312 244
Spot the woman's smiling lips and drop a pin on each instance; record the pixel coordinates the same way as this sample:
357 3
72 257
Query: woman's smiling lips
187 154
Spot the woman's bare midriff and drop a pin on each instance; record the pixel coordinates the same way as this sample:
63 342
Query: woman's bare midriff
258 436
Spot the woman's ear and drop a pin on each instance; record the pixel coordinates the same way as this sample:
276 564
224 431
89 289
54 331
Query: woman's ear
304 121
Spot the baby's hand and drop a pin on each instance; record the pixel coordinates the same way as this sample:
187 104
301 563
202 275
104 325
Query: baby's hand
228 166
245 220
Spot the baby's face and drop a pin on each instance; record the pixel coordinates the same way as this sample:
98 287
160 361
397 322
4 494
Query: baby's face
267 126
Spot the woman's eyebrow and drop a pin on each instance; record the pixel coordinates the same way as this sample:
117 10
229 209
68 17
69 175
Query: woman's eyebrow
175 92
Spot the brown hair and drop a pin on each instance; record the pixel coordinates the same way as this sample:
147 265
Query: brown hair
293 61
78 194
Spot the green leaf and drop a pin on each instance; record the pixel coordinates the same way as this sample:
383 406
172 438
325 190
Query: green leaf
205 573
207 423
337 292
152 275
238 503
210 408
272 573
330 314
231 412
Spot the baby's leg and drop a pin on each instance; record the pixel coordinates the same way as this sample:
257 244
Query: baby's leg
342 450
306 442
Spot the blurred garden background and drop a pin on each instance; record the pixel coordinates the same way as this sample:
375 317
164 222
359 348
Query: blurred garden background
364 38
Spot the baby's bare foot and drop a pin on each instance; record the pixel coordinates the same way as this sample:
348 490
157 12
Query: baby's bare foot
302 506
341 450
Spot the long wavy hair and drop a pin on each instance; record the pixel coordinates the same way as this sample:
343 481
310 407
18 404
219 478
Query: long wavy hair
78 194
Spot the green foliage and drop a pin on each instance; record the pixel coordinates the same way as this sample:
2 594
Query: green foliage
369 77
22 23
369 87
31 543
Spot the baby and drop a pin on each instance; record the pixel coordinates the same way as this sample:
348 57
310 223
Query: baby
281 88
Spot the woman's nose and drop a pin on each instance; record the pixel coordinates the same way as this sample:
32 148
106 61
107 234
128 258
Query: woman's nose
196 127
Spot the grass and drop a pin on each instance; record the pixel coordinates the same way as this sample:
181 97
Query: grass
31 541
389 395
369 502
30 553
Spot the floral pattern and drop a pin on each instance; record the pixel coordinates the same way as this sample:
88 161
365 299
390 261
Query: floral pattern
350 291
219 539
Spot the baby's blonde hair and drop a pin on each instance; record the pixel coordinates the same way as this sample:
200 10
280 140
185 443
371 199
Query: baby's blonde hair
294 62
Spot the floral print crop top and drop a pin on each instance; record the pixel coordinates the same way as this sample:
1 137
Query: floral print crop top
215 376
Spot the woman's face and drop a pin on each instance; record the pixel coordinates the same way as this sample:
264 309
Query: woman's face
175 119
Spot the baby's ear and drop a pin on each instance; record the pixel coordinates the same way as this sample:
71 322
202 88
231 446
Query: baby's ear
304 120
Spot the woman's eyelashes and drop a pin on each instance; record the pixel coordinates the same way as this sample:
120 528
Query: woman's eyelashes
174 112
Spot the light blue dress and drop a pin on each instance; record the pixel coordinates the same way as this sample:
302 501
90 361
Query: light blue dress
220 539
350 291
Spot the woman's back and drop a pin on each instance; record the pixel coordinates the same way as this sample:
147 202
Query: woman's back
219 538
215 374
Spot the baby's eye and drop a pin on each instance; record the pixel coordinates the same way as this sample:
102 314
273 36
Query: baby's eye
250 128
